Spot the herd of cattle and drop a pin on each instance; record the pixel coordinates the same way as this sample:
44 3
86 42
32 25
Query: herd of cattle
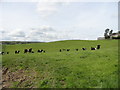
43 51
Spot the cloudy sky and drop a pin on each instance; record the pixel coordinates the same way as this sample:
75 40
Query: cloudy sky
56 20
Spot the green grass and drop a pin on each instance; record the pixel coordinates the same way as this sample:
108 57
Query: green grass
73 69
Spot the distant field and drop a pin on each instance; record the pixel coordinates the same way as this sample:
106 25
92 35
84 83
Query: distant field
54 69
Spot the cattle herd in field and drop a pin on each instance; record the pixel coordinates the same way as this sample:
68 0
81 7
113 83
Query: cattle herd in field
43 51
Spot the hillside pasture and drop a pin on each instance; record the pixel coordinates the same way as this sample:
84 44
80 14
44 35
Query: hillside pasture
65 69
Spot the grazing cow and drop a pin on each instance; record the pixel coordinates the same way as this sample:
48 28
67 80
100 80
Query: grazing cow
83 48
68 49
98 47
1 53
40 51
76 49
7 52
60 50
92 48
17 52
32 52
28 50
25 50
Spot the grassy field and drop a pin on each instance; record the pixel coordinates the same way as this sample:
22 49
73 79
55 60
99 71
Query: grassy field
54 69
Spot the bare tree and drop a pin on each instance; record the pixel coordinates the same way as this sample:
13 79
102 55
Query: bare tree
110 33
106 35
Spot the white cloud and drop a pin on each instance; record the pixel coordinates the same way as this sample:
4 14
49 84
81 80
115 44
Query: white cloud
3 34
47 8
17 33
42 33
45 33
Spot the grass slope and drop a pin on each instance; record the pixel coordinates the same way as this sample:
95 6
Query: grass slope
54 69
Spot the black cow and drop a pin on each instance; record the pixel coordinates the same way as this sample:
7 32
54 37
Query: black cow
60 50
83 48
68 49
98 47
92 48
7 52
40 51
76 49
25 50
17 52
32 52
28 50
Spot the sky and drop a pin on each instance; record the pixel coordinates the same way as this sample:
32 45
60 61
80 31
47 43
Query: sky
57 20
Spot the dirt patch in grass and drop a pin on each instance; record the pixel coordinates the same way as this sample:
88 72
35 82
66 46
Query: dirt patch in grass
19 78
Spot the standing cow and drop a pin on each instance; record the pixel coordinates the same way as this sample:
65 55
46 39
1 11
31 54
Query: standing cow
28 50
25 50
68 49
98 47
83 48
40 51
92 48
17 52
76 49
60 50
7 52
